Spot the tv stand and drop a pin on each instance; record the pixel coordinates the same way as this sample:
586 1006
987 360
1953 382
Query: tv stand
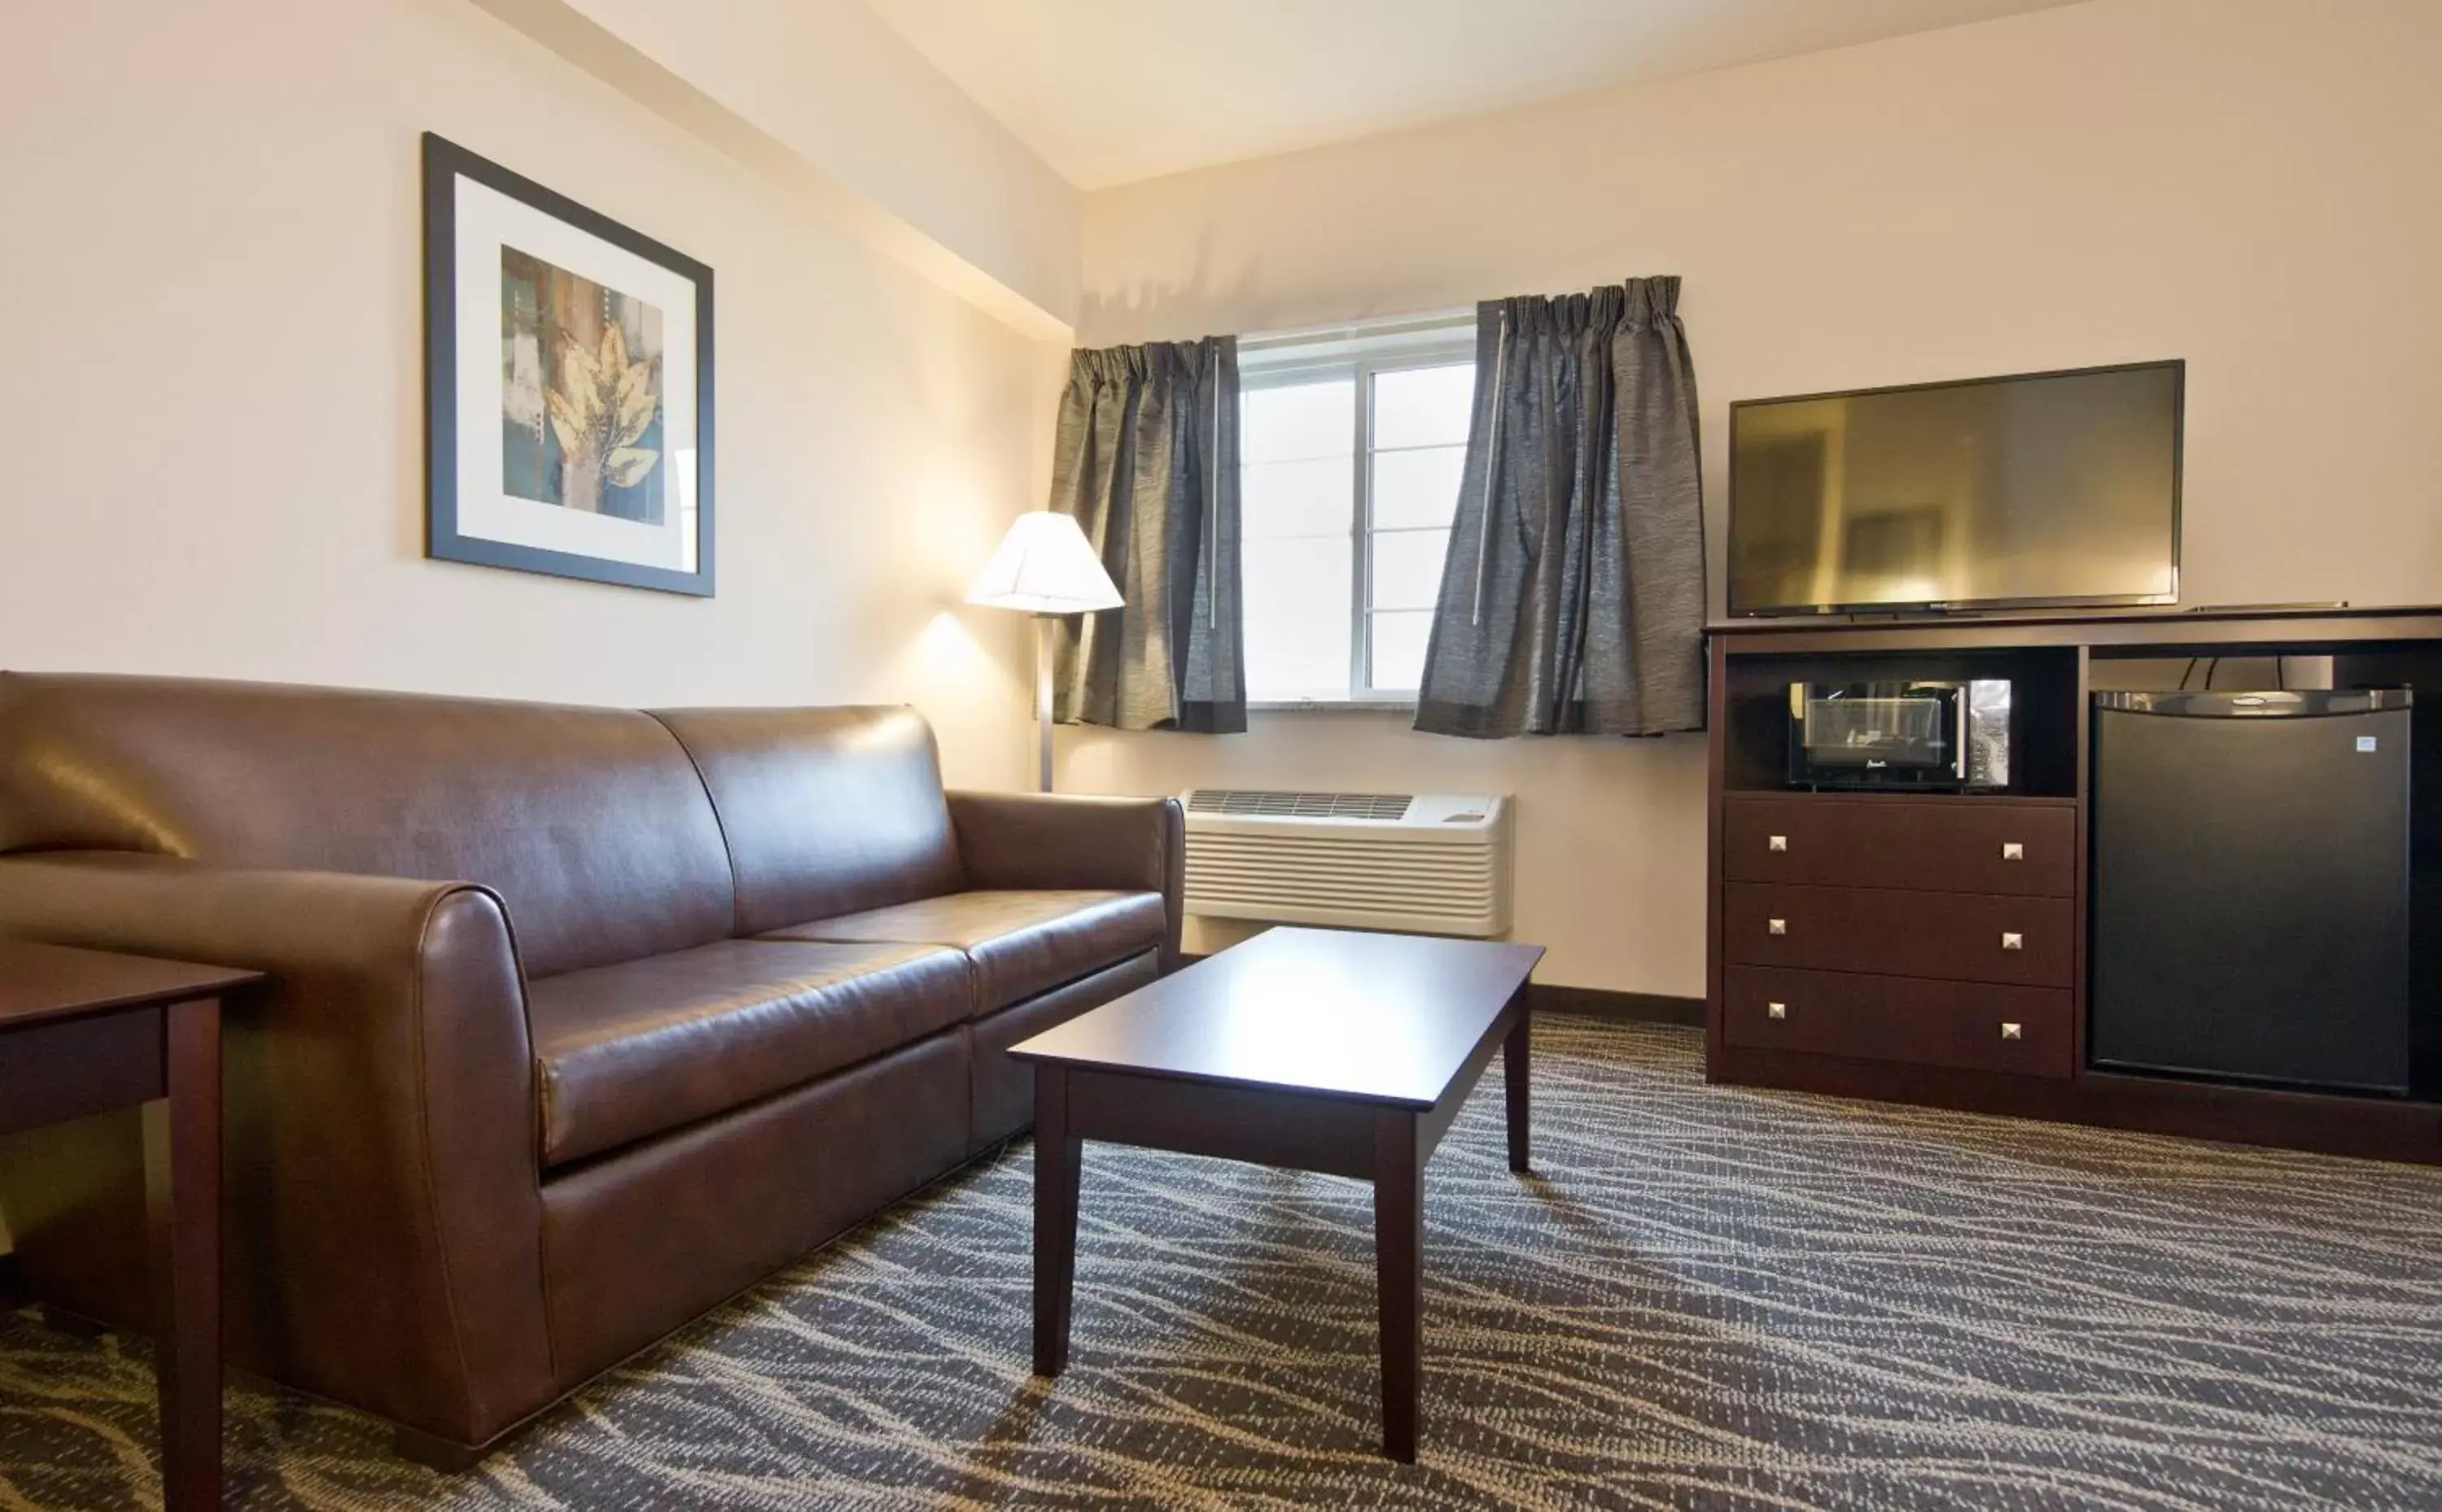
1930 947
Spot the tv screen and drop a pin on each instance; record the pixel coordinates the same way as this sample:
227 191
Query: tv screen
2045 488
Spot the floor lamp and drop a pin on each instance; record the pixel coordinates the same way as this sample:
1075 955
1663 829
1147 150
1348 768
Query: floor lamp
1045 568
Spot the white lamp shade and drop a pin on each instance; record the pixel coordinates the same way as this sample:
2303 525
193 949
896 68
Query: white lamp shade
1045 566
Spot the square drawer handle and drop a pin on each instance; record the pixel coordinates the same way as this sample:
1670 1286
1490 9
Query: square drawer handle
2012 1031
1776 926
2013 850
2012 939
1776 1010
1777 843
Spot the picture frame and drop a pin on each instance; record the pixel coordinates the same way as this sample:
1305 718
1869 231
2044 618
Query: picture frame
568 386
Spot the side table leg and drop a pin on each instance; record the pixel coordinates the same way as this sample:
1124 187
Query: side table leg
182 1171
1056 1173
1515 1075
1399 1275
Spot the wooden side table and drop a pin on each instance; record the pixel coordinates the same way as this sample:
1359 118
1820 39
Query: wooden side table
83 1031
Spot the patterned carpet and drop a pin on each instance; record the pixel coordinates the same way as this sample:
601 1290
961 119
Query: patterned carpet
1710 1298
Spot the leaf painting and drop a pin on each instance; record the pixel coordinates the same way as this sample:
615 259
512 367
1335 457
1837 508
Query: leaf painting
581 392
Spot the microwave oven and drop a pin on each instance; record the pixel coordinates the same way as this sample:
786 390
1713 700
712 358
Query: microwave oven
1933 735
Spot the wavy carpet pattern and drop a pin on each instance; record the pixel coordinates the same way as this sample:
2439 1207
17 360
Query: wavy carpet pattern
1709 1297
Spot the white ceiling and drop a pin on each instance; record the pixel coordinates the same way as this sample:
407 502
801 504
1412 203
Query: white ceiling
1108 91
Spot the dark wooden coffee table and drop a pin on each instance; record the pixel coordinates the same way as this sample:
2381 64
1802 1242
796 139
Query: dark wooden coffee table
1314 1049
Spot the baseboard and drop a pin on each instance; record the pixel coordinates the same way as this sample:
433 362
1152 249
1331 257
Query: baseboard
1602 1002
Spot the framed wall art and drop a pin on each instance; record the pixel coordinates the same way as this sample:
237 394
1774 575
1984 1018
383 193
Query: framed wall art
568 386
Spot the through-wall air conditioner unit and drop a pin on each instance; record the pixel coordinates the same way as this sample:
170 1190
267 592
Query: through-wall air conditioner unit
1423 863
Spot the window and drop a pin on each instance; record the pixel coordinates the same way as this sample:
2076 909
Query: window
1351 450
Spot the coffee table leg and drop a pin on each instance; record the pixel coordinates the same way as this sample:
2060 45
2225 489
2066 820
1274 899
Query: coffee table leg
182 1167
1514 1069
1055 1219
1399 1275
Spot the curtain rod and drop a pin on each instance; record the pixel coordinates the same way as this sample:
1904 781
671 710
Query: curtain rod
1371 326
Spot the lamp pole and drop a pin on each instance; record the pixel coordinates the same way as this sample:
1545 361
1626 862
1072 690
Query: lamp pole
1042 700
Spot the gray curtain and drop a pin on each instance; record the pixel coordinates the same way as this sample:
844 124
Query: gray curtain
1146 460
1573 597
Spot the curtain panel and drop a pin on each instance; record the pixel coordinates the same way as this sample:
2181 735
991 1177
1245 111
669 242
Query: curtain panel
1147 461
1572 596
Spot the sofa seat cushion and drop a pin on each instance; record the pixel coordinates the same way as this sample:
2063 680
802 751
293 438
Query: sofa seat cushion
625 1052
1021 942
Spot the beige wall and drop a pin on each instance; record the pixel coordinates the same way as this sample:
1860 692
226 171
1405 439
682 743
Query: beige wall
211 400
895 139
2252 185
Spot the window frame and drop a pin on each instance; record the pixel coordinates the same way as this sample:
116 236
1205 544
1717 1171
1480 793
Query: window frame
1437 343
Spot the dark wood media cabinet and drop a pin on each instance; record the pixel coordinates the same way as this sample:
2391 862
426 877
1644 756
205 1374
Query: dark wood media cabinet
1931 947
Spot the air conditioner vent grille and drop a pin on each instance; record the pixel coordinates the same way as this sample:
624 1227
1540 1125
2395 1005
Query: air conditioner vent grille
1390 807
1437 863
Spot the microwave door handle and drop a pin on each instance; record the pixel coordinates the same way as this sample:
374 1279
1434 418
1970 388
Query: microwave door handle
1959 746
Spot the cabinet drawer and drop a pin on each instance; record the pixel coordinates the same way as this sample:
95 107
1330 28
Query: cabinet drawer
1968 1024
1959 847
1960 937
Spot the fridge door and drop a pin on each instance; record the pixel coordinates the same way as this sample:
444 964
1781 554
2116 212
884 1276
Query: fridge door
2251 886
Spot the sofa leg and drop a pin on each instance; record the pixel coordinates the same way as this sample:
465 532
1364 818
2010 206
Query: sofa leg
435 1454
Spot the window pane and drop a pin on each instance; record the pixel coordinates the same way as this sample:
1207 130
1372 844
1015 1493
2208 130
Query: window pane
1296 659
1400 640
1297 617
1408 568
1297 446
1300 515
1295 578
1423 407
1282 499
1292 422
1417 487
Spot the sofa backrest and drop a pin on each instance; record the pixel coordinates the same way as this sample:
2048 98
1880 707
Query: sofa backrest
827 811
591 824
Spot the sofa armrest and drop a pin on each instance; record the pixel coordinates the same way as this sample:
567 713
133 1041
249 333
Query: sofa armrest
384 1212
1055 840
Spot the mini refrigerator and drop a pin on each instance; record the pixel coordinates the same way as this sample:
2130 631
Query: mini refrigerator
2252 912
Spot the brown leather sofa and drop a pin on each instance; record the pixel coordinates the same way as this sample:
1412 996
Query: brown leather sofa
581 1020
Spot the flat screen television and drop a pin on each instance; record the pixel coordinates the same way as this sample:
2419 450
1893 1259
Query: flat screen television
2043 489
